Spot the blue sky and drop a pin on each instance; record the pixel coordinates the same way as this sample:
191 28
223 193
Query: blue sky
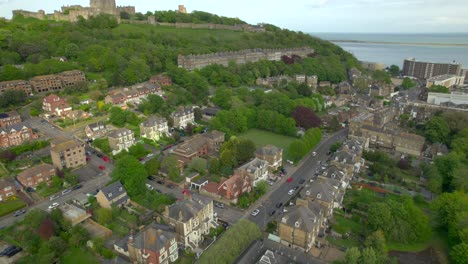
374 16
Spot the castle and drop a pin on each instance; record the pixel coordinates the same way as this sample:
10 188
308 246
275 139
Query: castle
191 62
72 12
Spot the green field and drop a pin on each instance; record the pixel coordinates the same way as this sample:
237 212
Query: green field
11 206
262 138
79 256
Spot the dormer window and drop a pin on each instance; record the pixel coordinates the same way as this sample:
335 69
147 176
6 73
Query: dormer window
297 224
333 175
319 196
109 195
353 148
120 189
284 219
307 192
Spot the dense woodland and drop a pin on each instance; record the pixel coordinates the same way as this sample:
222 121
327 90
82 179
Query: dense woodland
127 54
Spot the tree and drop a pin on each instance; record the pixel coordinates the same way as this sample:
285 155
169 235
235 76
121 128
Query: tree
262 187
459 253
171 165
131 173
152 166
104 215
305 117
394 70
12 97
376 240
368 256
124 15
353 255
460 143
437 130
382 76
439 89
335 146
407 83
198 165
222 98
138 151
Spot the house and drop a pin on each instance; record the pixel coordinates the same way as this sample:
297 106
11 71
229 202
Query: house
346 161
154 244
112 195
408 143
199 145
9 119
133 94
46 83
7 189
322 192
154 128
96 130
381 89
192 219
18 85
257 169
70 78
299 226
334 173
161 79
436 150
36 175
182 117
16 135
272 154
55 105
344 88
229 189
209 112
121 139
67 153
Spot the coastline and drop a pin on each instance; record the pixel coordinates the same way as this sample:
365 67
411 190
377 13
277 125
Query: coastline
397 43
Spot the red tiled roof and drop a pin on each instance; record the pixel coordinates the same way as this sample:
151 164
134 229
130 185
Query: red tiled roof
211 187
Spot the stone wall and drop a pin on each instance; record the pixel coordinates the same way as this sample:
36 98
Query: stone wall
191 62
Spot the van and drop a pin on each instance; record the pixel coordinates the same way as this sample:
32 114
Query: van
290 162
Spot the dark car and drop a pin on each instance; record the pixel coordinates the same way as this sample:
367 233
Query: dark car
151 178
29 189
301 181
99 155
10 251
272 212
170 186
278 205
295 188
19 212
76 187
160 182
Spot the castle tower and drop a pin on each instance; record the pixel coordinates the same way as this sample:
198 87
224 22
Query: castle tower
104 6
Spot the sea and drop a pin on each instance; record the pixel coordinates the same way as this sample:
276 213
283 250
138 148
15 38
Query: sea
394 48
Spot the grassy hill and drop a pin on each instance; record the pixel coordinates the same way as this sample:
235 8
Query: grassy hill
125 54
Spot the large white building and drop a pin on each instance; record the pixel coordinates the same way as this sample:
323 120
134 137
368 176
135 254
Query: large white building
453 98
447 80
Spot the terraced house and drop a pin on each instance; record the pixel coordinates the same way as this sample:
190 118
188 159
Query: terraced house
34 176
182 117
7 189
9 119
16 135
121 139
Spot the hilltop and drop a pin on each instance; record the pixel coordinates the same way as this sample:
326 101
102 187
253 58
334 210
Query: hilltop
128 53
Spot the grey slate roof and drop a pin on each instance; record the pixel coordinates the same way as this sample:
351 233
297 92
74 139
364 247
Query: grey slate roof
321 189
153 238
301 217
254 165
333 172
187 209
153 121
17 127
121 132
115 189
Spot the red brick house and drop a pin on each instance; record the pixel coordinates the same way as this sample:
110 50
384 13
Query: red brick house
15 135
7 189
56 105
161 79
229 189
34 176
9 119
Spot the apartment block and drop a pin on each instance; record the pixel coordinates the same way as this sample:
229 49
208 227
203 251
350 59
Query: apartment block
67 153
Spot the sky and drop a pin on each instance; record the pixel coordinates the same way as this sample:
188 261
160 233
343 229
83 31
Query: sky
347 16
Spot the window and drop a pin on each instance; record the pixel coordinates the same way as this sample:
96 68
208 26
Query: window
319 196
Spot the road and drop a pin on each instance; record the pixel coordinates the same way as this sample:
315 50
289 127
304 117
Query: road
279 191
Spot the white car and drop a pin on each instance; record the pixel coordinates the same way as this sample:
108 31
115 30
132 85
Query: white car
314 153
149 187
291 192
53 206
66 191
150 155
53 197
255 212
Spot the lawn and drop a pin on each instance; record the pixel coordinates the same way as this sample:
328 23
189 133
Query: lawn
262 138
3 170
78 256
343 225
346 243
11 206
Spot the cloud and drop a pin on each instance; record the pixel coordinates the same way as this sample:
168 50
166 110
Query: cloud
318 4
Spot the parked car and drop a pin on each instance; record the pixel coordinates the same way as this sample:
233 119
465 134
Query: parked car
160 182
10 251
88 158
19 212
101 167
219 205
278 205
53 197
301 181
170 186
151 178
105 159
53 206
99 155
295 188
149 187
314 153
29 189
255 212
291 192
150 155
76 187
272 212
66 191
